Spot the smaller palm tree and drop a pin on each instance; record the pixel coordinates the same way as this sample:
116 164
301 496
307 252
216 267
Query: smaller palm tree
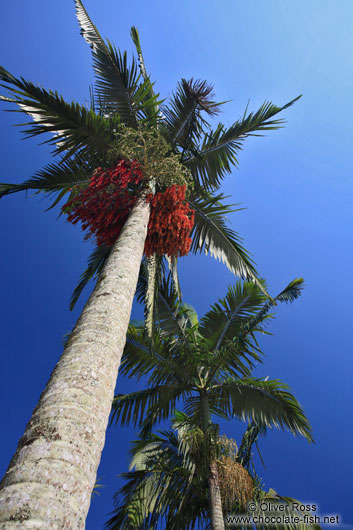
174 461
207 364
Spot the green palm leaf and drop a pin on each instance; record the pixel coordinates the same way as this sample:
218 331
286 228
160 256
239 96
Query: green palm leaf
289 294
243 344
158 402
228 315
182 122
54 178
117 85
158 469
75 128
266 402
151 106
211 234
142 357
214 158
95 265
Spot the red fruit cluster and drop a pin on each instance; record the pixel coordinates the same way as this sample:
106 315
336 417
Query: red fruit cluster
170 224
103 208
105 204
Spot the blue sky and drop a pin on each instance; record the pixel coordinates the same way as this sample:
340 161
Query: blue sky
296 185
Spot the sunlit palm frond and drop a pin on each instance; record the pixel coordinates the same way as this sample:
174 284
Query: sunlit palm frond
237 344
264 401
74 128
144 357
211 234
118 87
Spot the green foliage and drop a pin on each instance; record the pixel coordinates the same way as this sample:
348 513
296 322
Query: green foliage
158 163
173 141
95 266
171 461
207 364
214 156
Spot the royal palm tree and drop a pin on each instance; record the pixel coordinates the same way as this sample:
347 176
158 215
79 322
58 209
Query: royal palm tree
207 365
170 461
56 460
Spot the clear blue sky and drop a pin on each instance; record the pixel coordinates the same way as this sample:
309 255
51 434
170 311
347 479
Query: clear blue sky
296 184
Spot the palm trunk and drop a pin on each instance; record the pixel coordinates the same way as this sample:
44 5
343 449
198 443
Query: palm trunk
214 494
49 481
215 500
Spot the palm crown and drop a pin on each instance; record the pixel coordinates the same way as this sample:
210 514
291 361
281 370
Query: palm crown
173 461
124 100
207 364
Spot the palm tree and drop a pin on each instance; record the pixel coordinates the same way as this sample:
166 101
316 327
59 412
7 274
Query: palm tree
170 461
208 365
56 459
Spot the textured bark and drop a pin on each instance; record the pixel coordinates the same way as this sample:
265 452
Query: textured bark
215 500
49 481
214 494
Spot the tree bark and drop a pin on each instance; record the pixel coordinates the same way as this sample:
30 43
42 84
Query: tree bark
214 494
215 500
50 478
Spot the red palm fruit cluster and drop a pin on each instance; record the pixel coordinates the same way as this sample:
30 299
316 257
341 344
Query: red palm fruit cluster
105 204
170 223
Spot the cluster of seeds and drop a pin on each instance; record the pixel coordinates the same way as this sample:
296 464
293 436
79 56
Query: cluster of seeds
104 205
170 224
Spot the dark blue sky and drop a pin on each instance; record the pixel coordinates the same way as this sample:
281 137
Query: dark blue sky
296 184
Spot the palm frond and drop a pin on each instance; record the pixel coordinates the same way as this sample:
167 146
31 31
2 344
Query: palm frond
182 123
151 106
117 85
289 294
292 291
96 262
250 436
211 234
239 341
54 178
264 401
158 402
216 155
227 316
144 357
75 128
148 496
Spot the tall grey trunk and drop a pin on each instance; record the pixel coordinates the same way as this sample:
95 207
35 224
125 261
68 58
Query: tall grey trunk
50 478
215 499
214 494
